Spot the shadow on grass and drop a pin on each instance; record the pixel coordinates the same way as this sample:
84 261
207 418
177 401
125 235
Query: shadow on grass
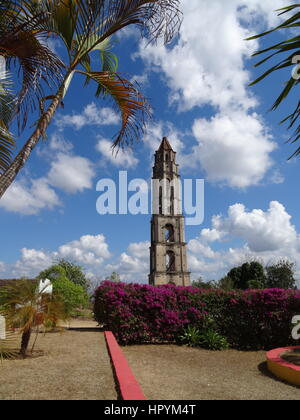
263 368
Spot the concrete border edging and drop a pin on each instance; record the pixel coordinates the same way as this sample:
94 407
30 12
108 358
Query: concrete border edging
127 383
281 368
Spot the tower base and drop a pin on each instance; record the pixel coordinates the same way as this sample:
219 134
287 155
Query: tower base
179 279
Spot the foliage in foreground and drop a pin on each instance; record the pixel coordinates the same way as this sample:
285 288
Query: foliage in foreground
25 307
287 54
248 320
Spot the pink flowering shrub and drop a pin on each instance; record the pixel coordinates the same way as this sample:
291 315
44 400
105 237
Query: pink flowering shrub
254 319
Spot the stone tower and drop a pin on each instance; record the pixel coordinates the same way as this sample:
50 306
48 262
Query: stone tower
168 262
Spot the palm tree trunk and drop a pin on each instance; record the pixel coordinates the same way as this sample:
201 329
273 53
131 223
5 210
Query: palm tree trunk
7 178
25 342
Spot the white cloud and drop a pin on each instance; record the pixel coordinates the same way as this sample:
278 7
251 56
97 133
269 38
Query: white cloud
207 66
140 79
29 198
68 172
269 230
31 263
233 149
266 235
133 265
58 143
71 173
90 251
91 115
121 158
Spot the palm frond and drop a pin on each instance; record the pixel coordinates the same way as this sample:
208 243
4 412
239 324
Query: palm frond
129 102
9 345
21 43
289 48
92 22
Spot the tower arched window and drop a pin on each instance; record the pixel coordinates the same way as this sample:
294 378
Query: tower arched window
170 262
169 233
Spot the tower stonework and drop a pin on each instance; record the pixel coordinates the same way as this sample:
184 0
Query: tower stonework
168 261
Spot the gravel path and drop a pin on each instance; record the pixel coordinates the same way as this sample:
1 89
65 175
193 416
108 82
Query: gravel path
167 372
76 366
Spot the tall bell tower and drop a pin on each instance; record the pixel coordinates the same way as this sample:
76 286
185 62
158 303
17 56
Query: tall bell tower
168 261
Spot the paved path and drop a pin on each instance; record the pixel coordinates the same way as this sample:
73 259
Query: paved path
77 323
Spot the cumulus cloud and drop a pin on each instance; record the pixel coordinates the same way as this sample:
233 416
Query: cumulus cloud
123 158
90 251
91 115
262 230
234 146
133 265
205 68
30 197
71 173
265 235
233 149
32 261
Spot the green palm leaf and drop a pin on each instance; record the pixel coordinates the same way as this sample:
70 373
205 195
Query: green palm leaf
84 26
128 100
289 49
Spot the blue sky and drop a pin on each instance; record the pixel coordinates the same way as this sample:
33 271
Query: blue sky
220 128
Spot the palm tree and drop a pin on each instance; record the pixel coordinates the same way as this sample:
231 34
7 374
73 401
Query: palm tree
290 50
7 142
37 63
86 26
26 307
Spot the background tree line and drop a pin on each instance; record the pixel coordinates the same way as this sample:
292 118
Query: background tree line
253 275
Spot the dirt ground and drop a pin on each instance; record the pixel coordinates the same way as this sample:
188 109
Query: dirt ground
167 372
75 366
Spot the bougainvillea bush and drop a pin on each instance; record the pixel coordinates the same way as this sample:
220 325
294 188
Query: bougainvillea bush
252 320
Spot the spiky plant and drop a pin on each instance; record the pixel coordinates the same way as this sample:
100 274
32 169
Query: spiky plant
26 307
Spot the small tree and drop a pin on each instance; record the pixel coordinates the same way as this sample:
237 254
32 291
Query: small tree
72 271
26 307
73 295
247 276
281 275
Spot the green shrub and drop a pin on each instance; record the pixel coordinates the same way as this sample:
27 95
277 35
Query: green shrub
212 340
191 336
